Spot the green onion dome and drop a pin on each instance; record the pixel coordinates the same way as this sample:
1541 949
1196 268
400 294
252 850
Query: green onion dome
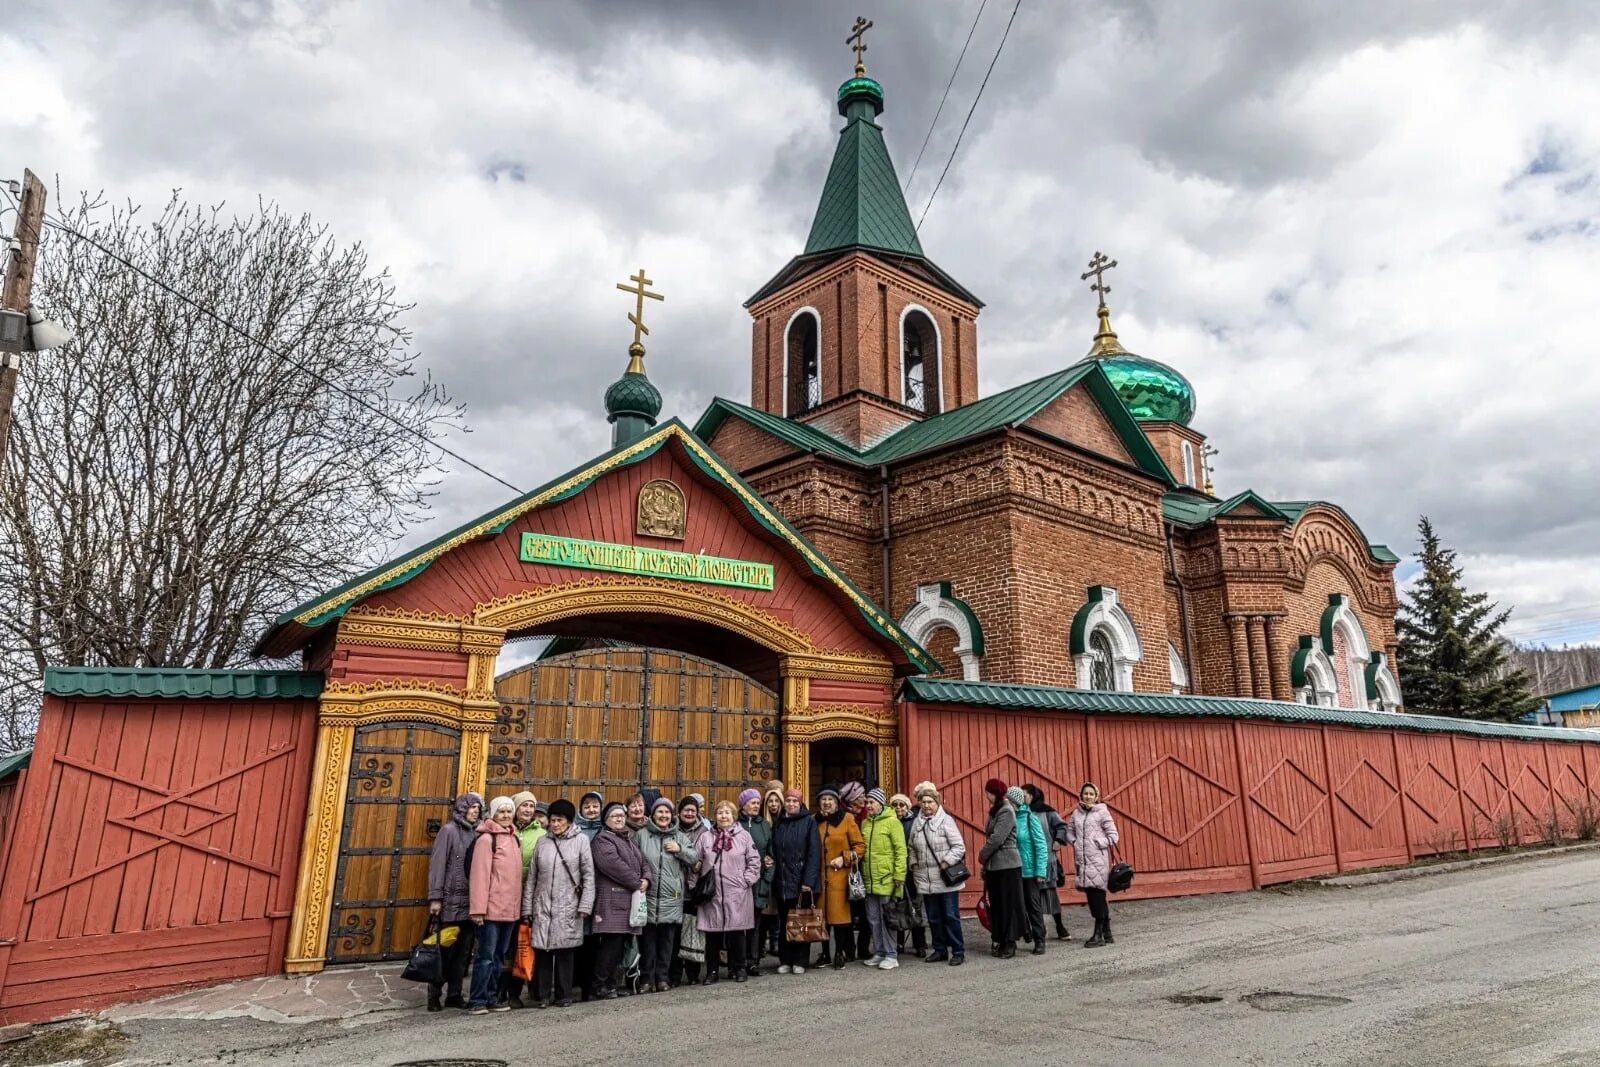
1153 391
862 89
633 394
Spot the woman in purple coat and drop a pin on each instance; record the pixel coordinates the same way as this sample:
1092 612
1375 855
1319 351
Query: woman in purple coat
1091 833
728 855
619 871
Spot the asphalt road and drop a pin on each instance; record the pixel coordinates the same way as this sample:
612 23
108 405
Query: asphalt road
1496 966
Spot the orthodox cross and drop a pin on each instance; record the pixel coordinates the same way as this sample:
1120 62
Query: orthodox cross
858 41
1098 267
640 289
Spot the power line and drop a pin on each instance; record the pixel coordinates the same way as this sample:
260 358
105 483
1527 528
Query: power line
940 109
57 224
963 132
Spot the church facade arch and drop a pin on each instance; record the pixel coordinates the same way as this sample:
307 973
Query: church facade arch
1104 642
1311 674
936 608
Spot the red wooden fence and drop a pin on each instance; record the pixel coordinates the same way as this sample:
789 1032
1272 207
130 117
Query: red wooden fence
1212 804
160 849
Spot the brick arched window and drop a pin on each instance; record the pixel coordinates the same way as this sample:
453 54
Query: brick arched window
920 357
802 362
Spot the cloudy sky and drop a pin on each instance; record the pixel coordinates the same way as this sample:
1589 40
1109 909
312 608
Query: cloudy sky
1369 232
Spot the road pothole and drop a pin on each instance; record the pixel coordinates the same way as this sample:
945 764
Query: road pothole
1273 1000
1190 999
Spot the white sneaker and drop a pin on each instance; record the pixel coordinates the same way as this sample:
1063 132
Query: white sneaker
799 969
889 964
785 969
873 962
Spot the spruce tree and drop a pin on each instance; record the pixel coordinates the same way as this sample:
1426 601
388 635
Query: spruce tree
1453 660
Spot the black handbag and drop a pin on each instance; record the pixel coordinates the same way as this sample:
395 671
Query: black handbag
954 874
427 958
1121 876
704 891
906 913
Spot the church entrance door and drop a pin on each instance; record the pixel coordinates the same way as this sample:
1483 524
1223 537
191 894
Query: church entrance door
615 719
837 760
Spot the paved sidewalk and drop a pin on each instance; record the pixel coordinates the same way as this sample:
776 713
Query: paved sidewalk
344 993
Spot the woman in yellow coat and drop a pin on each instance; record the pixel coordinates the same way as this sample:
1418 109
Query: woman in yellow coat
842 849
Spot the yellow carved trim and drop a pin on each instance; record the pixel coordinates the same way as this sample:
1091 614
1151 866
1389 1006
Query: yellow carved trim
863 722
842 665
889 768
797 764
313 895
472 771
599 596
398 628
480 671
361 703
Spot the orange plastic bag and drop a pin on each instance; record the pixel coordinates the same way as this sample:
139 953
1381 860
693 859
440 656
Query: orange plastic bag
522 954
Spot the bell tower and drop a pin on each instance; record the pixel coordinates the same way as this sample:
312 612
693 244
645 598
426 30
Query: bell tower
861 333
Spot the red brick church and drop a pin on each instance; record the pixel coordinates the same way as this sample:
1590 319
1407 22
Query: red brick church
1062 532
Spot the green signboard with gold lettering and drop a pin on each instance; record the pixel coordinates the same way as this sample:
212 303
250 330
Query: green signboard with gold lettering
652 562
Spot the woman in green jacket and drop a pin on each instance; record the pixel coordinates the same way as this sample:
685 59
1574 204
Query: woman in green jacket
1035 865
884 868
756 825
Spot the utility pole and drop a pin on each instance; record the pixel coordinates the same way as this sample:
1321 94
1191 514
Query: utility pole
17 292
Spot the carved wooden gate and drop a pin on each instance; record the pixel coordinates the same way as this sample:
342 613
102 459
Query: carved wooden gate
402 783
611 719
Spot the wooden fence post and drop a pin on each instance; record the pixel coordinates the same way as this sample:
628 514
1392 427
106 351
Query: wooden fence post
1400 786
1244 808
1333 810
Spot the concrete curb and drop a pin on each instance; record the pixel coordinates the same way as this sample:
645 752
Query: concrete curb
1350 881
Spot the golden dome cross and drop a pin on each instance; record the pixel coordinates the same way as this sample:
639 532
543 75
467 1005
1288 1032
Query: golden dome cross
1097 268
641 291
858 41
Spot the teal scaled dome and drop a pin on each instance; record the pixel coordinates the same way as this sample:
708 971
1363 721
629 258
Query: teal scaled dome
633 394
864 89
1153 391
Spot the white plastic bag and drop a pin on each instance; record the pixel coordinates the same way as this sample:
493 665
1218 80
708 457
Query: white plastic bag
638 909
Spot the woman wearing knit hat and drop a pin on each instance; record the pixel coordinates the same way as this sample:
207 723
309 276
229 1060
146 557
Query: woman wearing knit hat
557 898
884 869
797 866
1055 834
669 860
753 819
853 799
494 888
842 849
590 805
936 846
448 898
905 811
619 872
772 810
1002 872
525 824
691 942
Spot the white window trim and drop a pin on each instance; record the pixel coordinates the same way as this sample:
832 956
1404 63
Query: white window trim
1107 614
1388 688
1188 464
1357 653
938 356
934 610
1322 686
783 361
1176 670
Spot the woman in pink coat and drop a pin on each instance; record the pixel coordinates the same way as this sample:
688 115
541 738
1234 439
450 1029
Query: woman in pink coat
728 856
494 901
1091 833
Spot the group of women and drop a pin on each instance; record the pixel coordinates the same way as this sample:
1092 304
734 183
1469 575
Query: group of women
645 896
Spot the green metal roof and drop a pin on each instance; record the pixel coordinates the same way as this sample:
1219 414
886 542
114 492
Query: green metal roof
181 683
13 762
861 201
1089 701
1013 407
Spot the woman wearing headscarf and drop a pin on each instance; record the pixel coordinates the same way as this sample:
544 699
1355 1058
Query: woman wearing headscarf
448 900
1035 866
1091 833
797 867
1055 833
853 799
619 872
905 811
669 859
729 858
494 895
842 849
557 899
525 824
691 942
1002 872
884 868
589 807
935 844
754 822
